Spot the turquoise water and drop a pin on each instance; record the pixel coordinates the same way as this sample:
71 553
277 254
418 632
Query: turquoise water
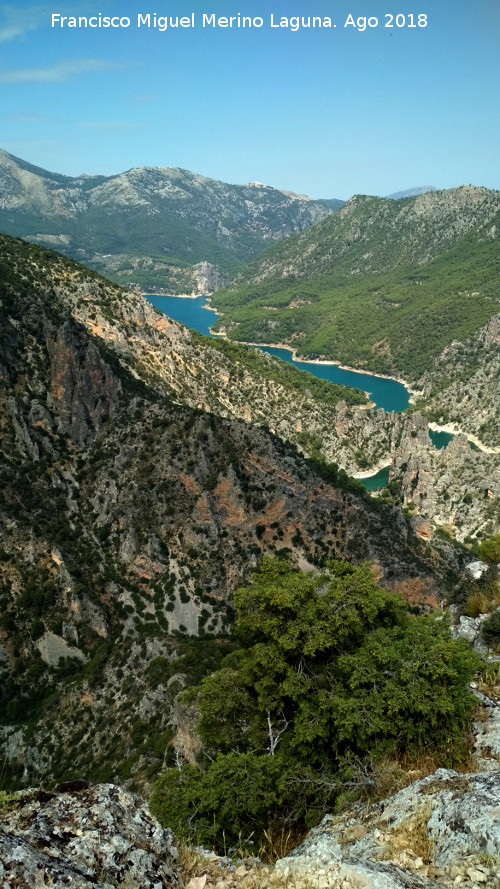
386 394
379 480
440 439
189 311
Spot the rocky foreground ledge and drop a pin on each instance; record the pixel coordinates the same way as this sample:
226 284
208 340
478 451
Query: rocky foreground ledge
82 836
442 831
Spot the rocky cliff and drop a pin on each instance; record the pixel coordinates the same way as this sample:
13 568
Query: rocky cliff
456 487
461 389
85 836
440 832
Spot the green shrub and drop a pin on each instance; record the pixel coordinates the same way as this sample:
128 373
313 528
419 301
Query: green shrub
333 673
491 629
159 670
490 549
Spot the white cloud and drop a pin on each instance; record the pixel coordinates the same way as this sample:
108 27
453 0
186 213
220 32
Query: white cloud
28 118
16 21
56 73
143 98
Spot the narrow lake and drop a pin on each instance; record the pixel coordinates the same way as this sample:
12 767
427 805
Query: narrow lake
386 394
376 481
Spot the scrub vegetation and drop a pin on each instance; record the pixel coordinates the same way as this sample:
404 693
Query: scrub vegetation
333 675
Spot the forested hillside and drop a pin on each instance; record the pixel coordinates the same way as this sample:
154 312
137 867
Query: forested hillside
384 285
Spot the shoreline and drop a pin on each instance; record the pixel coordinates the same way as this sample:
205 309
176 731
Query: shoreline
370 473
292 349
173 295
325 361
321 361
451 429
435 427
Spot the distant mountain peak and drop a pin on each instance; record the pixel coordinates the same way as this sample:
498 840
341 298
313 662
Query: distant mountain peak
411 192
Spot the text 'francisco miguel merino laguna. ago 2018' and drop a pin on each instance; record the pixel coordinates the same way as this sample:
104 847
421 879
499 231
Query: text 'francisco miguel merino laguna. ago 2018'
209 20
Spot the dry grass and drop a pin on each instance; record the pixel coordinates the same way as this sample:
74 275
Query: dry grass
411 838
489 681
193 864
476 604
393 773
278 842
483 600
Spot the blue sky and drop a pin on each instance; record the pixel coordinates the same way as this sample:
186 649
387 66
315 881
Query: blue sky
326 112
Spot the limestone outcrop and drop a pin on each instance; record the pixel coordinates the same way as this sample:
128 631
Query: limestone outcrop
85 836
439 832
439 829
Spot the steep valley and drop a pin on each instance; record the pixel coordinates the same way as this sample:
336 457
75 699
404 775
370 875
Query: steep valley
137 494
456 488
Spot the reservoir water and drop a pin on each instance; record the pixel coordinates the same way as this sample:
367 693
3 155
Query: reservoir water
376 481
440 439
385 393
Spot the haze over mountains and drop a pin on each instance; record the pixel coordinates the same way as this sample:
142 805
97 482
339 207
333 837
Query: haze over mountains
411 192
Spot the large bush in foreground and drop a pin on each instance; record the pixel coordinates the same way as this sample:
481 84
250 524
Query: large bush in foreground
333 673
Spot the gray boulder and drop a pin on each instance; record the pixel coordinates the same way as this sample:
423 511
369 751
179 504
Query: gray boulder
80 836
442 830
23 866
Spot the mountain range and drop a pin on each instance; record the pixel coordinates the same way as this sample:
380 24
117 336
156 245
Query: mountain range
160 229
146 470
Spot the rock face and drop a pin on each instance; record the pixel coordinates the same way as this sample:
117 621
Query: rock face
439 832
85 836
82 390
487 735
444 827
456 487
462 386
123 225
207 278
